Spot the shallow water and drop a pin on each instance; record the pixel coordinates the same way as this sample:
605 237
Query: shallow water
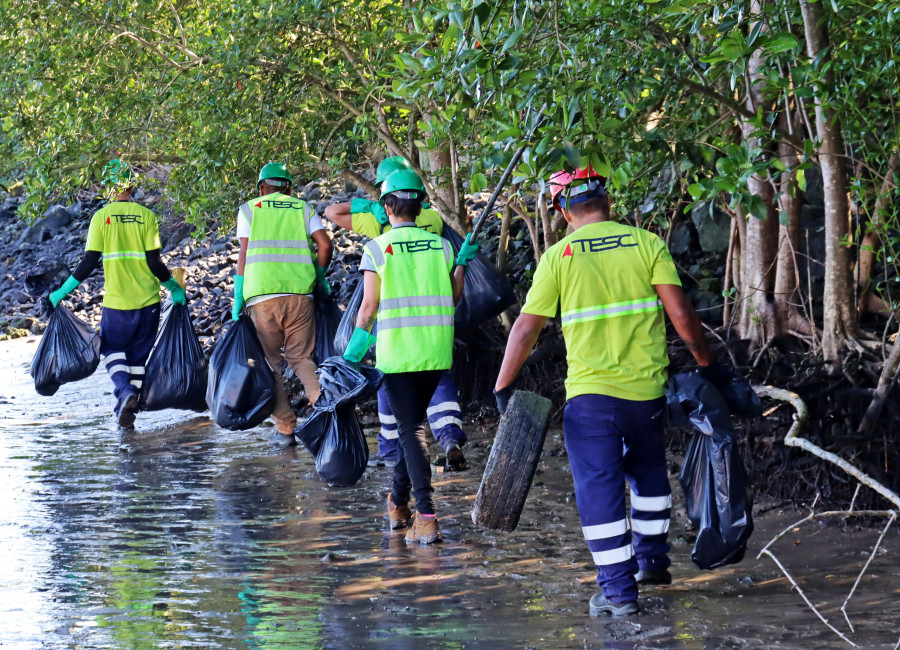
183 535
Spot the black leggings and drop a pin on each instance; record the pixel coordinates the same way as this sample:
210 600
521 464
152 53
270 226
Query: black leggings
409 394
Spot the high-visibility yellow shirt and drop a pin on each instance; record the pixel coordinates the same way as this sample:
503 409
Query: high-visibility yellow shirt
123 232
601 278
366 224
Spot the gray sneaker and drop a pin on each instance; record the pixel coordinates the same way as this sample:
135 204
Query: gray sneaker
127 408
278 439
600 605
456 461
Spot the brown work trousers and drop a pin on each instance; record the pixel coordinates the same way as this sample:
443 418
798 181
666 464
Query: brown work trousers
288 322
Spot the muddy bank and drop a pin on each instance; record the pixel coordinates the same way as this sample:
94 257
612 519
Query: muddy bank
185 535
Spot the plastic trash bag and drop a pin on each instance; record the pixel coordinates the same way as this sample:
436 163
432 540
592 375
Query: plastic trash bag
240 392
712 475
486 292
176 372
348 320
328 317
69 351
332 433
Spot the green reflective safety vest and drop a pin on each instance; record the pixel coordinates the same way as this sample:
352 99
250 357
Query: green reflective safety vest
415 312
279 255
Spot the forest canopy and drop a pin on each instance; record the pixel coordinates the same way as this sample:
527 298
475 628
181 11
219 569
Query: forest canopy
721 105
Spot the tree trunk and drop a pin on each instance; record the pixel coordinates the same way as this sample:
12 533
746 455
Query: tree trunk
840 323
440 165
758 321
787 279
871 242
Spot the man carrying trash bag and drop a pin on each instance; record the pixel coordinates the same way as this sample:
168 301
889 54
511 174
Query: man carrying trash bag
126 235
611 283
412 287
275 277
369 218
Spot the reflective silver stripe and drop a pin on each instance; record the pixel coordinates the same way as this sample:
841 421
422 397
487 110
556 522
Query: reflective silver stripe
116 366
140 255
650 526
136 370
387 419
137 383
113 357
605 531
623 309
443 406
291 258
605 558
307 215
416 301
445 421
448 251
277 243
376 253
390 435
247 211
441 320
650 504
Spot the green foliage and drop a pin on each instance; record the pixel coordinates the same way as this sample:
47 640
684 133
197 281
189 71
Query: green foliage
646 92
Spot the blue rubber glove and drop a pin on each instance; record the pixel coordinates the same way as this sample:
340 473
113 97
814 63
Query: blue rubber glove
359 344
358 205
238 303
67 287
467 251
321 280
177 291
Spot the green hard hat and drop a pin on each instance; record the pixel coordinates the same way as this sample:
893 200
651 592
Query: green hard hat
117 172
274 171
405 184
390 165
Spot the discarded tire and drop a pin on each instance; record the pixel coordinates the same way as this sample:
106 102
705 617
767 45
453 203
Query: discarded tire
513 460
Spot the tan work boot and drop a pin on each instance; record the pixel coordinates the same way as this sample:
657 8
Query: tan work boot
398 515
423 530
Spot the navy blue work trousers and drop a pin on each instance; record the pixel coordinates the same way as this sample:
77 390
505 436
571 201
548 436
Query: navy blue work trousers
126 338
443 413
610 441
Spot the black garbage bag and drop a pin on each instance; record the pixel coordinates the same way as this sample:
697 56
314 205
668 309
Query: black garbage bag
240 392
348 320
712 475
486 292
176 372
328 317
69 351
332 434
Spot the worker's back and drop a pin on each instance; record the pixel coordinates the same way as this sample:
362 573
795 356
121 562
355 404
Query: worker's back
603 275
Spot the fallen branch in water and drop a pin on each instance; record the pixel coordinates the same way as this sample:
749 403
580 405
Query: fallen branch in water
792 439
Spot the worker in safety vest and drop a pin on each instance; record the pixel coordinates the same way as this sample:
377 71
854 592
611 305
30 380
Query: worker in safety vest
275 276
126 236
611 283
410 285
369 218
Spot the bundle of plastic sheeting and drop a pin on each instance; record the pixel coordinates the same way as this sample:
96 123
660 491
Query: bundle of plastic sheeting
69 351
332 433
176 374
712 474
240 392
486 292
348 320
328 318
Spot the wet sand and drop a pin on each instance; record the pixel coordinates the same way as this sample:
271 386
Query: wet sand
183 535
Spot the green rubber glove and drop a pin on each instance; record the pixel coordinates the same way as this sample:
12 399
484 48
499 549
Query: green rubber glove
67 287
177 291
358 205
467 251
358 346
321 280
238 303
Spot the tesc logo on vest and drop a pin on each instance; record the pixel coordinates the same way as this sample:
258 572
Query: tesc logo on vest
126 218
279 205
597 244
414 246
